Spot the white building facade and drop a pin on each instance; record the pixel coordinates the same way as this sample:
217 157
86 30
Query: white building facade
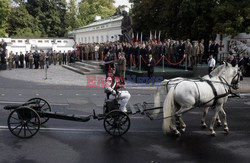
47 44
108 30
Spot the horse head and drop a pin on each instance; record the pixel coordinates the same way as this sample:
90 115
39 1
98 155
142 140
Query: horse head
233 74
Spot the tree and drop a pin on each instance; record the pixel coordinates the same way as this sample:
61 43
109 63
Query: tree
50 15
22 24
5 11
232 17
88 9
71 18
194 19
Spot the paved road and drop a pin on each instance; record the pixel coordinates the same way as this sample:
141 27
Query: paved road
66 141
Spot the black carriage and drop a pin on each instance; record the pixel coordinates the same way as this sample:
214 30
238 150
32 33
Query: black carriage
24 120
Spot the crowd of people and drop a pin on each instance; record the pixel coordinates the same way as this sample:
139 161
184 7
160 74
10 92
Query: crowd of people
197 52
39 59
124 55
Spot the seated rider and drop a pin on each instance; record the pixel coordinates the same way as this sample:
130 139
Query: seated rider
112 86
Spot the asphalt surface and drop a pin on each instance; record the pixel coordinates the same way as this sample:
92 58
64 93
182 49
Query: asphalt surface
68 141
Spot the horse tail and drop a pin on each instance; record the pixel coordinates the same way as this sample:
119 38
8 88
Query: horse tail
157 98
168 110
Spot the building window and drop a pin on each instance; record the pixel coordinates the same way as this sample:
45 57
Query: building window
93 39
46 41
79 40
102 39
85 39
116 38
13 40
20 41
89 40
97 39
107 38
40 41
65 41
59 41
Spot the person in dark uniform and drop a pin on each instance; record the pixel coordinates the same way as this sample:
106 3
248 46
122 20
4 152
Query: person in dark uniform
26 58
21 59
151 65
232 60
36 59
16 58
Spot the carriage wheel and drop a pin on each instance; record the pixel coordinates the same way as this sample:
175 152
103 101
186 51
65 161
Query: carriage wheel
116 123
24 122
43 105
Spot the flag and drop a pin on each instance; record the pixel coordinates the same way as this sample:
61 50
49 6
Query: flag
141 37
150 36
159 37
155 37
137 37
133 37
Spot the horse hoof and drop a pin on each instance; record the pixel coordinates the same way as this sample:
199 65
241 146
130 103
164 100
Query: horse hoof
213 134
204 126
178 134
226 131
183 129
219 124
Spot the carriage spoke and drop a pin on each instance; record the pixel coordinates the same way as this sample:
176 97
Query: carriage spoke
20 130
29 129
15 118
16 127
24 129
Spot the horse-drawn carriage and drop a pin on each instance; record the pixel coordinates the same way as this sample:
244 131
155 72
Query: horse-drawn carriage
24 120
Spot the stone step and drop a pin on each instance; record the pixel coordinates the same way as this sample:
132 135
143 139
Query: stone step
88 65
82 70
95 63
75 69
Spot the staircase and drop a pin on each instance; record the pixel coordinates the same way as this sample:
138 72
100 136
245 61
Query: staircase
85 67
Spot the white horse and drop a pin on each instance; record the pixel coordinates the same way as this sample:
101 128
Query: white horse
167 84
191 94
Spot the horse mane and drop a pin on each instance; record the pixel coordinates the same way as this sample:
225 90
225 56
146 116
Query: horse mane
218 70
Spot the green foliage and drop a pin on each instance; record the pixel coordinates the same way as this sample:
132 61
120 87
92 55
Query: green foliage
22 24
194 19
5 11
88 9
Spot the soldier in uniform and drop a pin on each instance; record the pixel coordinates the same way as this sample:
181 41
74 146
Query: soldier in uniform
26 58
121 66
60 57
31 60
92 51
195 52
188 48
201 51
87 49
54 57
11 60
41 59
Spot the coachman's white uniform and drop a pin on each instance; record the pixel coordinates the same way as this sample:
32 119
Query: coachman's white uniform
123 97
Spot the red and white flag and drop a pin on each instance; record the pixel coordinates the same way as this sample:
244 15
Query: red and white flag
141 37
133 37
155 37
150 36
159 37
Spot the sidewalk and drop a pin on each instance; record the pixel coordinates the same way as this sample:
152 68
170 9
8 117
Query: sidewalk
57 75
